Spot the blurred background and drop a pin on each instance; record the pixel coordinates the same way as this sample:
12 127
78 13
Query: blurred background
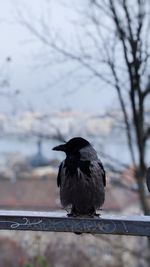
74 68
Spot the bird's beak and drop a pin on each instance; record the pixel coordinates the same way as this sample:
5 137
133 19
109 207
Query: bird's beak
60 148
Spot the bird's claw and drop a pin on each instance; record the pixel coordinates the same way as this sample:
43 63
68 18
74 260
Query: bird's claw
71 214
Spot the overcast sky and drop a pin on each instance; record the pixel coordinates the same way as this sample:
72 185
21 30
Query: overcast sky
26 73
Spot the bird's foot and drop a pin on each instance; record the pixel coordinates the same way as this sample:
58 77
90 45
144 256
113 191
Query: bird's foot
72 214
97 215
92 215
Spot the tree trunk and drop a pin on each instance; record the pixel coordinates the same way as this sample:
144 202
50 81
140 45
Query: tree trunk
140 173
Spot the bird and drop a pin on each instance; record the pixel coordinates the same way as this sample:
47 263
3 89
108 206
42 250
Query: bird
81 178
148 179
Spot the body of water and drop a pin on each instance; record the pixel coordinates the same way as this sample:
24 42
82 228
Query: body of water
116 149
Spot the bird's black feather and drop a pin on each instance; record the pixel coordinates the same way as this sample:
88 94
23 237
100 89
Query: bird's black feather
73 163
84 166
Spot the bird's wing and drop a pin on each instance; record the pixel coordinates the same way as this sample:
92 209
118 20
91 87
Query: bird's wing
59 175
93 168
103 172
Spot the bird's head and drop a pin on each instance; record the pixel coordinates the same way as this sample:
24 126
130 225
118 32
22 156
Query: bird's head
73 146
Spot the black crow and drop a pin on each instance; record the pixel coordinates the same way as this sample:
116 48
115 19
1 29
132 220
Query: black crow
81 178
148 179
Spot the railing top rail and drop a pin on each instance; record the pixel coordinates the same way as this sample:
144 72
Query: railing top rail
136 225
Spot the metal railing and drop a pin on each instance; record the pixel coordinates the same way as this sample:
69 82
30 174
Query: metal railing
59 222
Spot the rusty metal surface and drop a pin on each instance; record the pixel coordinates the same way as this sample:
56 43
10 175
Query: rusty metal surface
59 222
